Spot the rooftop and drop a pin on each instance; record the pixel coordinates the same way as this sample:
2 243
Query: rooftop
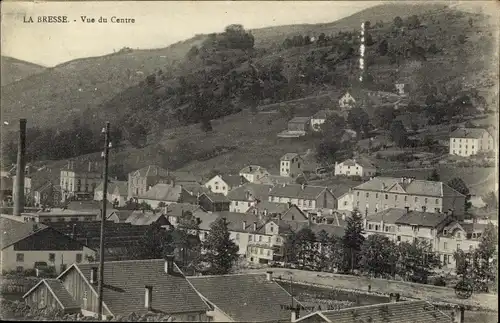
271 207
234 180
163 192
253 169
151 170
143 218
473 133
363 162
408 186
14 231
126 280
245 297
289 156
297 191
423 219
257 191
216 197
408 311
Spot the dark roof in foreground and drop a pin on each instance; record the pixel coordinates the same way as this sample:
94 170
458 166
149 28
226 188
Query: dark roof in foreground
14 231
125 281
245 297
400 312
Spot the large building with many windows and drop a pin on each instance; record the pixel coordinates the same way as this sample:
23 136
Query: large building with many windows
80 181
382 193
467 142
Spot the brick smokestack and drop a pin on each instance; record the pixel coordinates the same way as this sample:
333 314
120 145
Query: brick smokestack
21 164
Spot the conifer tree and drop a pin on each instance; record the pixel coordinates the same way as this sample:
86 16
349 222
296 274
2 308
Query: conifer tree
220 251
352 241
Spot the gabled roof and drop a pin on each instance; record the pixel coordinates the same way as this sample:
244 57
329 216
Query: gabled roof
163 192
151 170
185 177
289 156
177 209
234 180
122 215
339 190
216 197
14 231
473 133
235 221
193 188
245 297
408 311
256 191
363 162
275 180
253 169
414 187
140 218
120 186
297 191
271 207
126 280
389 216
300 120
423 219
60 293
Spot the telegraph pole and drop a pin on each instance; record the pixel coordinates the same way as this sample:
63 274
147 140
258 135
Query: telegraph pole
107 145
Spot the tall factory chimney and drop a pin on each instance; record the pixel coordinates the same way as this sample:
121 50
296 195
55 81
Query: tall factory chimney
21 164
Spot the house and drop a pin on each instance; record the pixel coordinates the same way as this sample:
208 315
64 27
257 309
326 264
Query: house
306 197
225 183
154 286
248 195
351 98
253 173
119 216
319 118
458 236
27 186
290 165
400 89
141 180
355 167
80 180
343 192
62 215
213 202
251 298
27 243
48 195
91 207
467 142
381 193
117 192
407 311
164 193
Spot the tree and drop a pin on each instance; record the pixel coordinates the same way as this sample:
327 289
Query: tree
155 244
398 133
383 48
369 40
306 250
413 22
358 120
367 25
416 261
491 200
384 116
326 151
333 126
352 241
398 22
459 185
220 251
378 254
434 176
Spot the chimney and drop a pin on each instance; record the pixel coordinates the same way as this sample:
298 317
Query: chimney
244 225
90 166
247 195
255 226
394 297
148 297
303 186
265 212
21 163
289 204
407 208
458 314
250 168
198 221
169 264
269 276
93 275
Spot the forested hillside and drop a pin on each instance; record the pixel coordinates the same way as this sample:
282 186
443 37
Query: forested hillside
446 57
14 69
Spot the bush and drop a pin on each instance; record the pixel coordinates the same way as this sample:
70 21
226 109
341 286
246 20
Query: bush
438 281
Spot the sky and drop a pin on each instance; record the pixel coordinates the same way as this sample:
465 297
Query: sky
157 24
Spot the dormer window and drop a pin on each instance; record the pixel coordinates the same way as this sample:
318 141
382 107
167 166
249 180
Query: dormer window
445 232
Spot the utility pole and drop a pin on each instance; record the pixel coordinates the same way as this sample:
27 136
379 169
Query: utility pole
107 145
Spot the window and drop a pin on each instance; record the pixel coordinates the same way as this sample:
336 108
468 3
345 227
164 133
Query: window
445 246
376 228
310 203
376 195
357 194
395 197
437 201
237 236
367 194
278 239
458 246
216 187
425 200
293 217
445 232
260 238
345 203
298 165
416 199
398 238
223 188
406 198
369 226
236 203
386 196
249 204
52 257
268 253
78 258
458 235
386 229
20 257
250 238
269 239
